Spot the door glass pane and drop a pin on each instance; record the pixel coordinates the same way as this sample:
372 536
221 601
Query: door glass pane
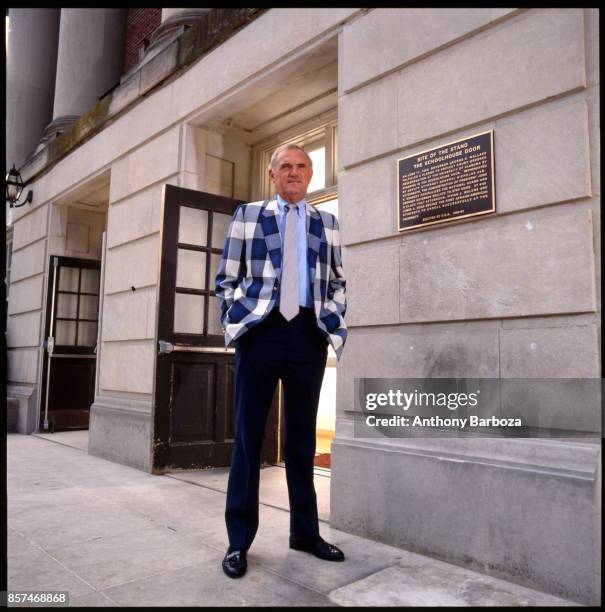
331 206
67 305
214 261
188 314
193 226
68 278
214 316
87 333
89 306
90 281
66 332
191 269
318 181
220 224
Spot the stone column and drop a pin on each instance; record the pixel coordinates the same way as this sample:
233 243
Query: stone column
174 22
91 52
31 61
170 12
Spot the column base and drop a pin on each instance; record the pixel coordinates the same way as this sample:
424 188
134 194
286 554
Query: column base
53 130
120 430
528 514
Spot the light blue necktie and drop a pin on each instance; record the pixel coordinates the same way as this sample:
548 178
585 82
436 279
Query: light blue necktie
289 298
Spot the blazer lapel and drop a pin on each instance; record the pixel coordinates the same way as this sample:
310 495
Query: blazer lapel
268 221
316 237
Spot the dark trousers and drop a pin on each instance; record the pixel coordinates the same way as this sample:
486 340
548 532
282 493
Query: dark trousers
296 352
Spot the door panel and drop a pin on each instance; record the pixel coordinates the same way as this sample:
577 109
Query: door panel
70 347
193 408
194 383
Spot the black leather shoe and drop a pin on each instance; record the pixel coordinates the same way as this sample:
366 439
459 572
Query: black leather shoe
320 548
235 564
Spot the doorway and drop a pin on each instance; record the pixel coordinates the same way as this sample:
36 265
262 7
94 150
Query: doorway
295 101
68 366
320 142
68 375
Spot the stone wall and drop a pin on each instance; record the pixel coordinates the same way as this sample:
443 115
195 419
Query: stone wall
514 294
187 156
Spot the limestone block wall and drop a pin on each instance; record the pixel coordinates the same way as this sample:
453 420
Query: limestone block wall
133 248
42 231
75 232
227 167
120 425
531 77
185 156
25 313
215 163
515 294
132 259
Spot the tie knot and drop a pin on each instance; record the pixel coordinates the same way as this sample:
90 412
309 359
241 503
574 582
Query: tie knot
291 206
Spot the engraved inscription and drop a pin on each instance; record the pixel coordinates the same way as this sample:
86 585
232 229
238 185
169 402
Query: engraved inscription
448 182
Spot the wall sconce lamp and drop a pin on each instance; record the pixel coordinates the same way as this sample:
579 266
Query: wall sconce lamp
14 189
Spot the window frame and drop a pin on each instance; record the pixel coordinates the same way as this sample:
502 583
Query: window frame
325 134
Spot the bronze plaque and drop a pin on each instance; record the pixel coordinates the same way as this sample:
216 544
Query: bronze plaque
449 182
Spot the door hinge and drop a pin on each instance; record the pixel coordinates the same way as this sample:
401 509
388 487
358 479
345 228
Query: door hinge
165 347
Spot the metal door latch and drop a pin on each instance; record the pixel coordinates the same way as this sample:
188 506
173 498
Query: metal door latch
165 347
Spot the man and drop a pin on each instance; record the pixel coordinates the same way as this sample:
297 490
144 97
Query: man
282 292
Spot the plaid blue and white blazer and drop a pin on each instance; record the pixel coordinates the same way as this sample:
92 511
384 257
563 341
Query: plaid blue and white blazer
250 267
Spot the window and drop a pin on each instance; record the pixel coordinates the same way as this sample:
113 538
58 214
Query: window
77 306
330 206
318 157
200 243
320 143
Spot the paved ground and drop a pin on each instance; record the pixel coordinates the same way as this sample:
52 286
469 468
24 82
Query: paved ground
112 535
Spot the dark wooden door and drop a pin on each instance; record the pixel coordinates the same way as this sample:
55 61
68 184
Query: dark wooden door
195 375
68 377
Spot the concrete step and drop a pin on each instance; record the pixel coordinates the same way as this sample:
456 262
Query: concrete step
435 583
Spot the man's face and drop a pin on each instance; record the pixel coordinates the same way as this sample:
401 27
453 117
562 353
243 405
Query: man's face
291 175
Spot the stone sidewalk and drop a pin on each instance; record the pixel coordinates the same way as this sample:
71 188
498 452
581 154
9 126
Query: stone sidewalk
112 535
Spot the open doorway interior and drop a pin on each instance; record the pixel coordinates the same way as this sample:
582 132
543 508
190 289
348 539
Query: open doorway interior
323 185
320 142
72 311
294 101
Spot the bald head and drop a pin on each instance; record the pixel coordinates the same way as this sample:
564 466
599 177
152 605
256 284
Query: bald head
287 147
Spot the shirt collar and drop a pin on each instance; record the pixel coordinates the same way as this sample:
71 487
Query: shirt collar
282 204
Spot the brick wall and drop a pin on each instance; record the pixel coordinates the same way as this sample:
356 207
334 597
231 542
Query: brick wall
140 23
